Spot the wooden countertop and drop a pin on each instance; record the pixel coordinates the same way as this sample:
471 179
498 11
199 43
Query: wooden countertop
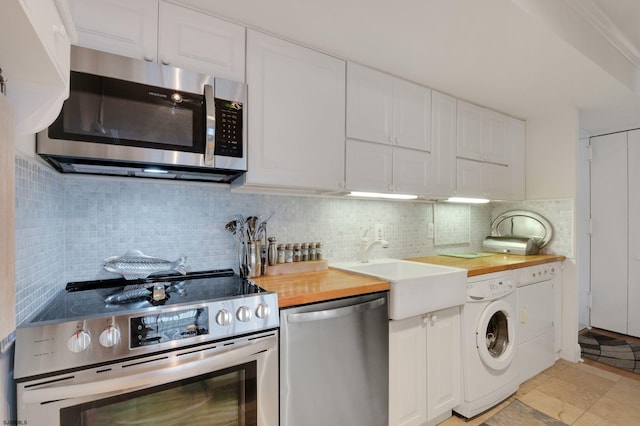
310 287
494 263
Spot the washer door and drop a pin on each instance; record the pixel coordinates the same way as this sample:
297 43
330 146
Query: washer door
495 335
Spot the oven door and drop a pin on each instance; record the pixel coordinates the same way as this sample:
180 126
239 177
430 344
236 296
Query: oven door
231 382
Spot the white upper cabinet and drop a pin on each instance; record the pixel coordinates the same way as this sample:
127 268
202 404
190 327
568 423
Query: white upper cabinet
385 109
443 144
122 27
482 134
297 116
517 139
199 42
374 167
490 154
35 40
162 32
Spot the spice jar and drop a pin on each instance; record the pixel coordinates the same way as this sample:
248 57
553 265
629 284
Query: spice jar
272 251
281 253
297 255
318 251
304 252
312 251
288 253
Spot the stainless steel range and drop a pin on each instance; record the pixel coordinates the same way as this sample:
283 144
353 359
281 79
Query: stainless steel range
161 350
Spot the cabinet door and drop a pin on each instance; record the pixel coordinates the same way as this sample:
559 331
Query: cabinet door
610 232
516 138
443 362
634 234
369 166
471 178
411 115
199 42
411 171
123 27
496 143
443 144
470 137
407 372
369 104
297 115
498 181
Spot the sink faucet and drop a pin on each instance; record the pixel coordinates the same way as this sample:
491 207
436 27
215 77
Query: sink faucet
366 246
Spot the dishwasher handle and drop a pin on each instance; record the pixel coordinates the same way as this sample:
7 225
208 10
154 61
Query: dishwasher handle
338 312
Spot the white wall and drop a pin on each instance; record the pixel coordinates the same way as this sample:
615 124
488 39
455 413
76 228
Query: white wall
551 172
551 152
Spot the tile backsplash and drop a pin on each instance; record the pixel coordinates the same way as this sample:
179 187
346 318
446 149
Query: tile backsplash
66 225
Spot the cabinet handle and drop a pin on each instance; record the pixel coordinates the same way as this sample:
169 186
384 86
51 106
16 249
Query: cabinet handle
164 62
148 58
434 318
397 140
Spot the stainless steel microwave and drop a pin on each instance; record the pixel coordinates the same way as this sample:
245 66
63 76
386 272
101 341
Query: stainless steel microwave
129 117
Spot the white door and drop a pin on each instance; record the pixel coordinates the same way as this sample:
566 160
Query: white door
200 42
609 238
411 171
497 146
369 104
369 166
470 137
443 361
122 27
408 372
443 144
411 115
633 303
296 132
471 178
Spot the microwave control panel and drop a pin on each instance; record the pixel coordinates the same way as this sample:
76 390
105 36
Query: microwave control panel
229 126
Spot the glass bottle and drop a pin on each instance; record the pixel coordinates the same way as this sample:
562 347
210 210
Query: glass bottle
318 251
304 252
272 253
296 253
312 251
288 253
281 253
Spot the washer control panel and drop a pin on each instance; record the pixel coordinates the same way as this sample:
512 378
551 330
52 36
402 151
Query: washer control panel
490 287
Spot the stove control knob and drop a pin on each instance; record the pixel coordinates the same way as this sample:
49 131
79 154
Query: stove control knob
263 310
243 314
110 336
79 341
223 317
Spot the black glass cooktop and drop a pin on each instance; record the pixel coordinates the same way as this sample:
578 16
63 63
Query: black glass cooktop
84 299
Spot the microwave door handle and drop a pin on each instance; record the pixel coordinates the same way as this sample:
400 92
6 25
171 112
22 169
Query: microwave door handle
210 131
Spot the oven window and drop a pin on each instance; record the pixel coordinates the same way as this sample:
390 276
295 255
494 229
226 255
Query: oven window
226 397
107 110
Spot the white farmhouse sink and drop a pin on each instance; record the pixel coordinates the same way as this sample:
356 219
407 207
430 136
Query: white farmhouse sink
416 288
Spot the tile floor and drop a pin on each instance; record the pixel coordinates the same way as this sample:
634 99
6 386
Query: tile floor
582 394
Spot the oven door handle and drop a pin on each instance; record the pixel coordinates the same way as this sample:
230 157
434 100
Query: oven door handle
55 391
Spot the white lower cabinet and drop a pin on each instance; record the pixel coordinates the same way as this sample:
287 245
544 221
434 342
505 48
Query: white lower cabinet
424 368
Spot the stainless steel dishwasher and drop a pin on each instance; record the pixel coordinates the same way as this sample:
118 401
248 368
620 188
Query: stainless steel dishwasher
334 362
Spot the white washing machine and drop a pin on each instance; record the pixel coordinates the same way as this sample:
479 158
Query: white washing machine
489 347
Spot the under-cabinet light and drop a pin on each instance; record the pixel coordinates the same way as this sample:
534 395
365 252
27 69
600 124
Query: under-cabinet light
382 195
467 200
155 171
